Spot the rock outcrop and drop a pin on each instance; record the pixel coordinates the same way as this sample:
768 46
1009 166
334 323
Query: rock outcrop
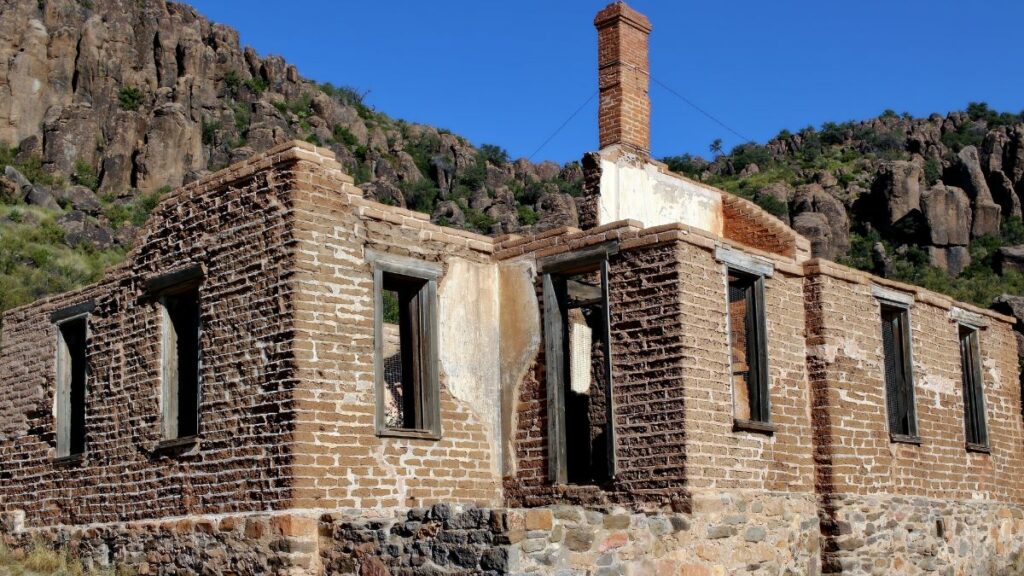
149 94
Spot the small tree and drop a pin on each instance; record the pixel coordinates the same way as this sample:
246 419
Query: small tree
129 98
496 155
716 147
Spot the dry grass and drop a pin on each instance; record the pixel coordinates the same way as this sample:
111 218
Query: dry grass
41 560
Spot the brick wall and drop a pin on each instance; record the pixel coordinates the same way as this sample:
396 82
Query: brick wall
671 378
235 224
340 462
749 224
849 398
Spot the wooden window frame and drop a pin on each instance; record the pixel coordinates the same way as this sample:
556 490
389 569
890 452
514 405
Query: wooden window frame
900 304
555 367
427 334
159 289
759 395
62 390
972 376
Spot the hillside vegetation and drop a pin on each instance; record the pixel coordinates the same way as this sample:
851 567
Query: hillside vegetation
932 201
106 105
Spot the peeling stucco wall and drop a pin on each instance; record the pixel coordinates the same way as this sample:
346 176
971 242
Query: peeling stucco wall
520 343
470 341
633 189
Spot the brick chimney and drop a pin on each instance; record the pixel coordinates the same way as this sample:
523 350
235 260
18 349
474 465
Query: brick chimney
624 116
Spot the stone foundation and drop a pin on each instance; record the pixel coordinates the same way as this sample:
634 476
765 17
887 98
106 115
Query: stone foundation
252 544
724 533
728 533
907 535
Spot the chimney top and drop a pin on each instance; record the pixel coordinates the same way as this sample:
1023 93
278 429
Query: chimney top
624 114
620 10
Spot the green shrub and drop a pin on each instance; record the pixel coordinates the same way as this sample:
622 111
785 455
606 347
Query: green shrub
932 171
478 221
85 175
210 129
233 82
302 107
243 117
965 135
686 164
773 205
527 216
343 135
496 155
129 98
747 154
256 84
421 195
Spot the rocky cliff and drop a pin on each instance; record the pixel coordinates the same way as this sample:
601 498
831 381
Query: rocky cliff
137 95
934 201
105 104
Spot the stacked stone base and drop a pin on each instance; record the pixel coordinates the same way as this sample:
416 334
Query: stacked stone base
869 535
722 533
726 533
252 544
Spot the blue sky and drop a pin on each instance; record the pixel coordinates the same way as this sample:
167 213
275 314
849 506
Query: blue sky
510 73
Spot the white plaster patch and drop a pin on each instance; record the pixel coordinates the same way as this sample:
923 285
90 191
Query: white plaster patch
826 352
994 375
853 350
938 385
653 197
469 341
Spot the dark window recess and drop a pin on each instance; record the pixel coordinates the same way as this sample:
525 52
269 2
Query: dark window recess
748 348
974 400
71 368
181 364
404 353
899 380
579 372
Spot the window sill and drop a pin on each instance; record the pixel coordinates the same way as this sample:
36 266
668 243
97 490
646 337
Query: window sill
178 444
979 448
739 425
410 433
904 439
72 460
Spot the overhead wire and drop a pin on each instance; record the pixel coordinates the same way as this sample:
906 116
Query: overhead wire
663 85
564 124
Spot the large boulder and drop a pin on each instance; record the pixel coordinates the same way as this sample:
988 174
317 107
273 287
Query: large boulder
1013 305
1011 258
986 219
780 191
952 259
80 229
173 147
947 211
30 193
1004 194
505 216
898 184
814 198
986 211
80 198
816 228
556 209
1013 164
448 213
993 149
383 192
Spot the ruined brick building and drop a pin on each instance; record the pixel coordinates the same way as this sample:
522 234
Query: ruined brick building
286 377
